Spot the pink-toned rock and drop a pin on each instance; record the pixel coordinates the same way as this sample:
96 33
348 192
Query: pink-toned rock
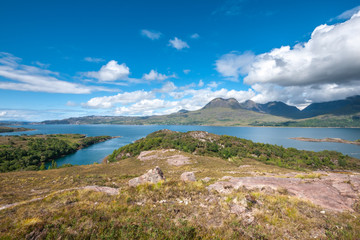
237 209
188 177
206 179
153 154
152 176
107 190
178 160
336 192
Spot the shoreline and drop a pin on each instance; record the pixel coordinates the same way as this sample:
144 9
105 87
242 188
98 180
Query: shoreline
335 140
4 129
190 125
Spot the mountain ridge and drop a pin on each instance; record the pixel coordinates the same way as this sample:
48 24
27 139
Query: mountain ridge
229 112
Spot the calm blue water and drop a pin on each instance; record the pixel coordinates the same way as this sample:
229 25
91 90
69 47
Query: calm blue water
278 136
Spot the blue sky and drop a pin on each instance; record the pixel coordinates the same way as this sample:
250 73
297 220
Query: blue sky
64 59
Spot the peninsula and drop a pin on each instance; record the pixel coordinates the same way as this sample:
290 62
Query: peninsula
335 140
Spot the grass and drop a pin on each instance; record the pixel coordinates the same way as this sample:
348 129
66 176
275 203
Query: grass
173 210
170 209
310 175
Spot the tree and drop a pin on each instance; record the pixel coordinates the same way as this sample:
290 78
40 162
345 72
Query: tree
53 165
42 167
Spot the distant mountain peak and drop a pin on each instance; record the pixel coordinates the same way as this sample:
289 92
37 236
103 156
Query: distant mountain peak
223 103
183 111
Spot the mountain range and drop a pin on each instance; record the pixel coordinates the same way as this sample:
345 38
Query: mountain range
350 105
229 112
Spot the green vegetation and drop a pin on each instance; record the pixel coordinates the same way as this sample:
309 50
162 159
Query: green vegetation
157 211
12 129
53 205
344 121
32 152
236 149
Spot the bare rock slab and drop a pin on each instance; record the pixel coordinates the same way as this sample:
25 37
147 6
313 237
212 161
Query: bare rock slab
152 176
188 177
337 192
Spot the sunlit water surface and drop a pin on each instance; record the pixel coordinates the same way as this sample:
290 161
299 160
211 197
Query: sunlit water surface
130 133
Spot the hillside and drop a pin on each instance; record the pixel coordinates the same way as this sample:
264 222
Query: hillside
273 108
350 105
207 144
328 120
229 112
231 198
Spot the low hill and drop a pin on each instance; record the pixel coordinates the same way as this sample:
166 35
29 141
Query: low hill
203 143
229 198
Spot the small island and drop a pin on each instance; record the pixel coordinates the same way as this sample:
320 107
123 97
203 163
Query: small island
13 129
32 152
336 140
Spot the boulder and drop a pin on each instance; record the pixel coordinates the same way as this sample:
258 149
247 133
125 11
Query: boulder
152 176
188 177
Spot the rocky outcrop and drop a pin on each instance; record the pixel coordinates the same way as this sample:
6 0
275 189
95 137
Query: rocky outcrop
336 192
152 176
188 177
153 154
176 159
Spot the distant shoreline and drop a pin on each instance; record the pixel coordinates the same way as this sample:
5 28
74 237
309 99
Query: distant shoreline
336 140
13 129
204 125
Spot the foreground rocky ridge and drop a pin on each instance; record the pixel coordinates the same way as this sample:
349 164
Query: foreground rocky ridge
183 195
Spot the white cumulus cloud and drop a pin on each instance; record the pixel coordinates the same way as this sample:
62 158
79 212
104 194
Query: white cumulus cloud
145 107
154 75
233 64
178 43
166 100
325 68
153 35
93 59
349 13
201 83
122 98
195 36
110 72
330 56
